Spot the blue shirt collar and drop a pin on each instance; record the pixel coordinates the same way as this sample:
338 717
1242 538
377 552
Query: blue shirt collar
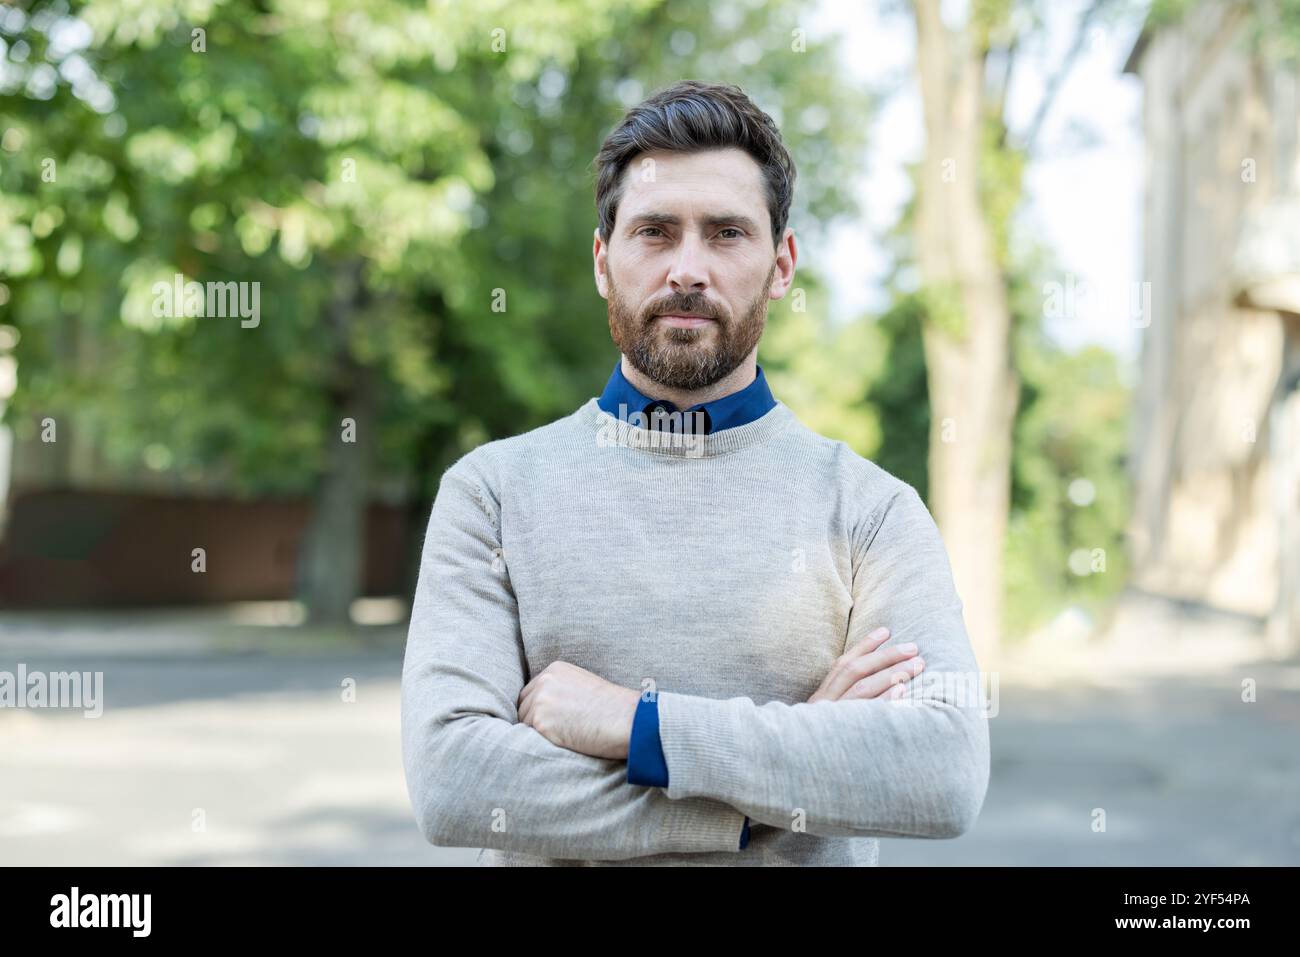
750 403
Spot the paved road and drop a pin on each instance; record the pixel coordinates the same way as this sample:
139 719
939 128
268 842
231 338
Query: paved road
1186 773
261 746
284 771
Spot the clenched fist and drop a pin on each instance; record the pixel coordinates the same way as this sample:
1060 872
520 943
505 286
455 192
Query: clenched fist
580 711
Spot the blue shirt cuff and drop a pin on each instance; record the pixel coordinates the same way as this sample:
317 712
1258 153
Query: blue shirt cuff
646 764
744 834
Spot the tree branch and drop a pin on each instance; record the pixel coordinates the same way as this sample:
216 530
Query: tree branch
1058 78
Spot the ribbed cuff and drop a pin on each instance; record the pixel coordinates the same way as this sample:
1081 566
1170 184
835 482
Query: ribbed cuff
697 826
699 737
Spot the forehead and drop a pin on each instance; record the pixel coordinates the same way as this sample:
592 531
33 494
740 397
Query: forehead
692 182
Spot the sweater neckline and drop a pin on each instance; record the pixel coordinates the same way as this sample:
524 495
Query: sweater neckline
611 430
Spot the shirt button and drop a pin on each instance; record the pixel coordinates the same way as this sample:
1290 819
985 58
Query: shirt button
658 414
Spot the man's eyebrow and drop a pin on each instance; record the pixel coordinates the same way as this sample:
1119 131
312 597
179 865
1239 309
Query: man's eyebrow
717 219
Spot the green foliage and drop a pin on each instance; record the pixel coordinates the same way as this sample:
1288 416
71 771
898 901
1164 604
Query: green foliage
1167 12
391 171
1070 424
1272 26
1001 185
825 374
1070 434
1274 32
408 182
1071 431
901 394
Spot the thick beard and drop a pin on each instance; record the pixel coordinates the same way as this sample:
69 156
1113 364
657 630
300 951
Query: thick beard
672 357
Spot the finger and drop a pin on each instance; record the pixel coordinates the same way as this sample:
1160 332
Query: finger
869 643
872 663
895 692
875 685
899 685
900 680
843 675
883 658
526 698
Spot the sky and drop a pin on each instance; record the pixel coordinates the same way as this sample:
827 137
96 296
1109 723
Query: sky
1084 192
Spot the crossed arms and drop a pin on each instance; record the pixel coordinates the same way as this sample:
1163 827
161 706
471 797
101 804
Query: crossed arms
479 777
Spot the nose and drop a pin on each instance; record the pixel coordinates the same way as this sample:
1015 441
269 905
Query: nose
688 272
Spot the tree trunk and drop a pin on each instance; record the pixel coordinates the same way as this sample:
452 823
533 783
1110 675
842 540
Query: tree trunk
331 560
967 333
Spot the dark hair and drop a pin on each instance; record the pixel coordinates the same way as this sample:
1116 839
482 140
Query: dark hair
687 117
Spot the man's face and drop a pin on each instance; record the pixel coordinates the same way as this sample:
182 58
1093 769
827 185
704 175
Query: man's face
690 266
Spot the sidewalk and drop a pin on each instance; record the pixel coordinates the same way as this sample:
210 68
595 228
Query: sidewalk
246 727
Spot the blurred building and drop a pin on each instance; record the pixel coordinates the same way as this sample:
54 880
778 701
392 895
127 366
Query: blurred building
79 531
1216 445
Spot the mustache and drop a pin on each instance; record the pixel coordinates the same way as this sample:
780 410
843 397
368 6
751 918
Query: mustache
698 307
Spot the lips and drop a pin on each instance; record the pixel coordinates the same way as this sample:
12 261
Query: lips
684 320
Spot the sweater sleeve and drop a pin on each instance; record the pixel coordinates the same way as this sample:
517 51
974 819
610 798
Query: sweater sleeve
476 775
645 754
913 767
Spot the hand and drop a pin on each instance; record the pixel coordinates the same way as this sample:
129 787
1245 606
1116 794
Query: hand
580 711
867 671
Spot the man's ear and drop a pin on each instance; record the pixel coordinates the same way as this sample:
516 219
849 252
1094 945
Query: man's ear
599 253
787 255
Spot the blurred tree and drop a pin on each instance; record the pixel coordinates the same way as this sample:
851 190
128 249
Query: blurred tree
310 149
968 185
407 185
1070 494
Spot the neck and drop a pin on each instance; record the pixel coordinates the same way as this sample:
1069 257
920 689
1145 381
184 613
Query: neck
734 381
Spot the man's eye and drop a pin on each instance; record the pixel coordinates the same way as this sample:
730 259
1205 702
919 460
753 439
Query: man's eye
731 229
644 230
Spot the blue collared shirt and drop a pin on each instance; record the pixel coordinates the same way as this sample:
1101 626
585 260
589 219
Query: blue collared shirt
646 764
622 398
